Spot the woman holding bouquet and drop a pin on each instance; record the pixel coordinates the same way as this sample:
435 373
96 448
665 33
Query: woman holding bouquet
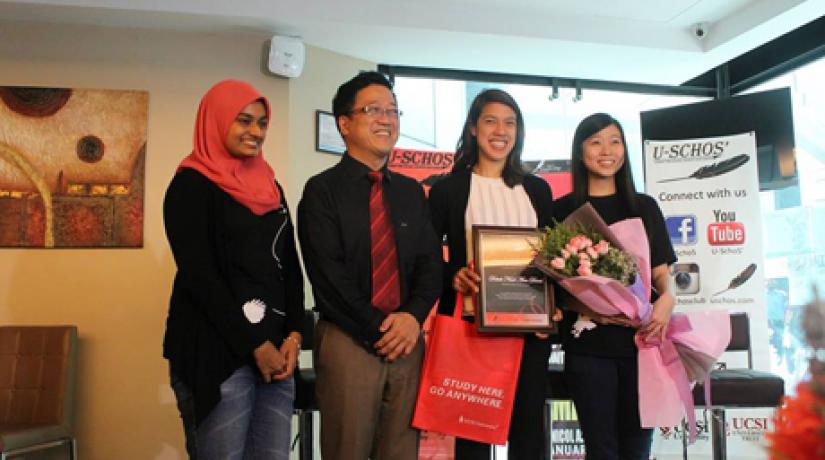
487 186
232 337
601 366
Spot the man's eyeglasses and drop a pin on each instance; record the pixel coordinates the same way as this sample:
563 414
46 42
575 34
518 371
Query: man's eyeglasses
376 111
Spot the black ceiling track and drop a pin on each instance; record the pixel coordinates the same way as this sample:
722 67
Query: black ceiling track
560 82
783 54
776 57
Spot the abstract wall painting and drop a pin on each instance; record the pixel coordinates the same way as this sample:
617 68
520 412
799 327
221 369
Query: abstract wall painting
72 165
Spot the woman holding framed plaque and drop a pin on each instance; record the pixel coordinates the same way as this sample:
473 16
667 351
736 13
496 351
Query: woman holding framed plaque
601 365
487 186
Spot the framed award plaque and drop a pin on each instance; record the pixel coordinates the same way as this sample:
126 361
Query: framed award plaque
513 295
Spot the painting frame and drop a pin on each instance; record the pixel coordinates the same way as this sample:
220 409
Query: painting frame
327 137
72 167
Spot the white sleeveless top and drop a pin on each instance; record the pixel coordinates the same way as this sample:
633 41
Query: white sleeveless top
492 202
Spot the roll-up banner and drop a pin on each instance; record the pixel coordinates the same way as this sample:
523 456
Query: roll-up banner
708 191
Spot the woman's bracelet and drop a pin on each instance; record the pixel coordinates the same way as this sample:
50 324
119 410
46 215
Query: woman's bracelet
297 342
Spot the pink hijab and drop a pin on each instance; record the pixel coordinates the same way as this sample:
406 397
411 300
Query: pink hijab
250 181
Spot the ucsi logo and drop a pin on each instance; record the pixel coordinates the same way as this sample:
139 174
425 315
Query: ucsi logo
750 423
736 425
726 233
675 432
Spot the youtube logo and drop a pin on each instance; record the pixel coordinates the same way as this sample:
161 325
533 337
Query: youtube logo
726 233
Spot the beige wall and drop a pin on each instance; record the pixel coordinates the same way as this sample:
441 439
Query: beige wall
323 73
118 297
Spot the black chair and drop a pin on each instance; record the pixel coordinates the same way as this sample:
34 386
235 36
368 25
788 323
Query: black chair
736 388
305 403
555 385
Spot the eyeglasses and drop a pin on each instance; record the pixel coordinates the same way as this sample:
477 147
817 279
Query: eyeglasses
376 111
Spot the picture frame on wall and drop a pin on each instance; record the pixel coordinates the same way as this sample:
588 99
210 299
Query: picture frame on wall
327 137
72 167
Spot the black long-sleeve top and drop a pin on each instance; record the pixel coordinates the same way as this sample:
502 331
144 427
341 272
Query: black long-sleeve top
334 232
230 263
448 203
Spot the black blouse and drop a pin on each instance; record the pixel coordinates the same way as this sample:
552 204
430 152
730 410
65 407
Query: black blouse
233 267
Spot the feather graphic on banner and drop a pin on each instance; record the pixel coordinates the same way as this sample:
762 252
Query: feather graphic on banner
714 169
739 279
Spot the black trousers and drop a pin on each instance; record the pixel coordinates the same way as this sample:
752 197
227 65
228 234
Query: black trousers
527 424
606 394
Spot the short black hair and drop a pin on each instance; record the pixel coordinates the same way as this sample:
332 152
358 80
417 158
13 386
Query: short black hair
344 99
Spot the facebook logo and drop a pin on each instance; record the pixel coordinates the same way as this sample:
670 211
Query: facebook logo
681 228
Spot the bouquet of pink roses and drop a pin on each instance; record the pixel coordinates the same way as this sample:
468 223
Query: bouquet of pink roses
607 268
573 252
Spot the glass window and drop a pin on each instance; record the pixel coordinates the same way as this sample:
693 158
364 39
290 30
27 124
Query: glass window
435 110
792 219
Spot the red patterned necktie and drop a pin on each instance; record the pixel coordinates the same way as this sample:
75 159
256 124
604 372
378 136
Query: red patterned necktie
386 288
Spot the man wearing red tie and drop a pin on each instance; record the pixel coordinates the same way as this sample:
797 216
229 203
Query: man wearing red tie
374 262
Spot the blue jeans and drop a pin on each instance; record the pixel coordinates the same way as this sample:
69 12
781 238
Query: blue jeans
186 407
252 420
606 394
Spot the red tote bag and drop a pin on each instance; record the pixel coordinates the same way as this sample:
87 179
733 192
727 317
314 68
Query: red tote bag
468 382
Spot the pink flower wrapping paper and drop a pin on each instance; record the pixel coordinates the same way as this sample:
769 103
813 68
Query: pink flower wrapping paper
667 368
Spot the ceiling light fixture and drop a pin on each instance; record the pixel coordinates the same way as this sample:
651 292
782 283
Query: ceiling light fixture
578 95
555 93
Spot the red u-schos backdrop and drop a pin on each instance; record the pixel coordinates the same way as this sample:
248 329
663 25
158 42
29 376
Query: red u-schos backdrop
427 167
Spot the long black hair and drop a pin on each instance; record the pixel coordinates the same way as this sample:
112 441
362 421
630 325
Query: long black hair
581 180
466 151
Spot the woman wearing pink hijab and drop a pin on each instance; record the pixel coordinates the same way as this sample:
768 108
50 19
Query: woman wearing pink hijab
232 334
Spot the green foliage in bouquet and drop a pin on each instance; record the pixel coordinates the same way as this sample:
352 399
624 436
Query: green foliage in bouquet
617 265
579 250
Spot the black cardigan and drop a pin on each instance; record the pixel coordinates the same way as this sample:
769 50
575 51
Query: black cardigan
224 255
448 204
